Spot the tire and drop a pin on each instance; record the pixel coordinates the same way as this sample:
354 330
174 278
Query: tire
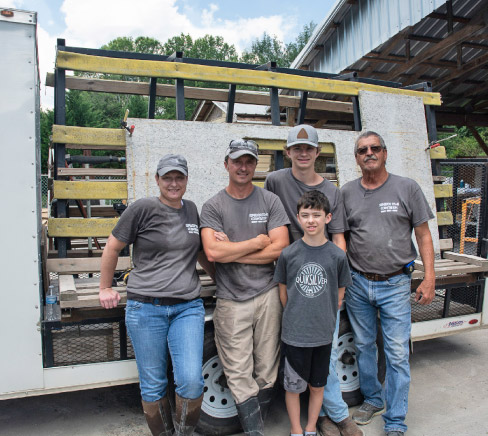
347 367
218 416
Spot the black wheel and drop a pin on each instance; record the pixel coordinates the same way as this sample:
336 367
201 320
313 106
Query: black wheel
219 413
347 366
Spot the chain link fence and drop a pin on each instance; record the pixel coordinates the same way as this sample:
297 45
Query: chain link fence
468 204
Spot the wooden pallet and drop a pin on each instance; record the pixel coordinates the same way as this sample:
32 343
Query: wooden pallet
453 264
83 293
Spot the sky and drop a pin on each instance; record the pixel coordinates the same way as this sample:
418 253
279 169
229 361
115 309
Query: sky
92 23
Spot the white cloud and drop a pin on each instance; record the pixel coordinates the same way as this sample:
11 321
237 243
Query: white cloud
47 54
92 23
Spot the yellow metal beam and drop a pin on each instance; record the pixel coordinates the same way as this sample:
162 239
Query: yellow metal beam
80 227
444 219
88 136
279 144
179 70
108 190
442 191
438 152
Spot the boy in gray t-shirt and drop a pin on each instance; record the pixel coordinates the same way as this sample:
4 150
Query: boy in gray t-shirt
312 274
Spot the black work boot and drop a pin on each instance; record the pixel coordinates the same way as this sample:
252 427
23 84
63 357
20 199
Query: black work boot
158 417
265 396
186 415
250 416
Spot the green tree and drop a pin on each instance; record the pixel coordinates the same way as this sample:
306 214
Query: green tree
46 124
270 48
294 48
465 144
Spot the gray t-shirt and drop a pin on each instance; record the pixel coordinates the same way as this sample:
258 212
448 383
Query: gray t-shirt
166 244
312 276
241 220
381 222
284 184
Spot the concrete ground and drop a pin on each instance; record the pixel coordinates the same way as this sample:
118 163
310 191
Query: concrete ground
447 397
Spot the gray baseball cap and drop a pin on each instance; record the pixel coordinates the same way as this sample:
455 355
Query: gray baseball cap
240 147
172 162
302 134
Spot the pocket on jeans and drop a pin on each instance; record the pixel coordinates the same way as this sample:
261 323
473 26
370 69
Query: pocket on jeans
399 280
133 305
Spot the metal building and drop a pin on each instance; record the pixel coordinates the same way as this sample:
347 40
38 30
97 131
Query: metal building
409 42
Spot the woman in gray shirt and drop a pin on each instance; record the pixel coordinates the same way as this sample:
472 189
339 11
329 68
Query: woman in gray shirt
164 311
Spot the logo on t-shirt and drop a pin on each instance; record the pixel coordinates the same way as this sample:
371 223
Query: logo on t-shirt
389 207
311 280
192 229
259 217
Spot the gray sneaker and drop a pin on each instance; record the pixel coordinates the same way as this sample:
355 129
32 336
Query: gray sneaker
365 413
395 433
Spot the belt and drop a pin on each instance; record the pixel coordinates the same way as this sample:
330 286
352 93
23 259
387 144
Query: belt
156 301
379 277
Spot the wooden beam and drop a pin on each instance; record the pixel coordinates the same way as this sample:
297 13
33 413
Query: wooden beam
460 119
444 218
479 139
96 211
90 190
464 70
194 93
466 258
388 47
88 136
438 152
80 227
66 283
83 265
401 59
100 172
445 244
179 70
446 44
442 191
279 145
439 16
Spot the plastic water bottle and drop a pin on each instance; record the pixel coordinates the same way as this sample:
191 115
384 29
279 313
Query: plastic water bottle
51 299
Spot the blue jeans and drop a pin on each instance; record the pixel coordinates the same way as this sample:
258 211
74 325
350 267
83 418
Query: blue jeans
333 405
391 298
155 330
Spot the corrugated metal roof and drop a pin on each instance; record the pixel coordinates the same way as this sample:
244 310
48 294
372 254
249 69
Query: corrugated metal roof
356 28
410 41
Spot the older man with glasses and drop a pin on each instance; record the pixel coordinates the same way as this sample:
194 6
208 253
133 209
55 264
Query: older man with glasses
382 209
243 232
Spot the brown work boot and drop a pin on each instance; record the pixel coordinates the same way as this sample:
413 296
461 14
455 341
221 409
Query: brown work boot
158 417
348 427
327 427
186 415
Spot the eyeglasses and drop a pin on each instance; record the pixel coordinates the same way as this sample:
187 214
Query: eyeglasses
241 144
374 148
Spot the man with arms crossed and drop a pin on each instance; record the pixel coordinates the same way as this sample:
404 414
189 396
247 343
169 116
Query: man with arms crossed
289 184
382 209
243 232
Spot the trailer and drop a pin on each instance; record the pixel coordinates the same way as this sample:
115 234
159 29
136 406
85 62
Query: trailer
87 347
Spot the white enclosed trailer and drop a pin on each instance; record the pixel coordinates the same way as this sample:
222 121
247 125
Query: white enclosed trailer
21 339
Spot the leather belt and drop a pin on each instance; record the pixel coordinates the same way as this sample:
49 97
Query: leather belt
374 277
156 301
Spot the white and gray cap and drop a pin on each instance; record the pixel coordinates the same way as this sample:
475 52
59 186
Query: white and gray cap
240 147
302 134
172 162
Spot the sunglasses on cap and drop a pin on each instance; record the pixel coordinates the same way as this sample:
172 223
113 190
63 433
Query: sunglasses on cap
374 148
243 144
